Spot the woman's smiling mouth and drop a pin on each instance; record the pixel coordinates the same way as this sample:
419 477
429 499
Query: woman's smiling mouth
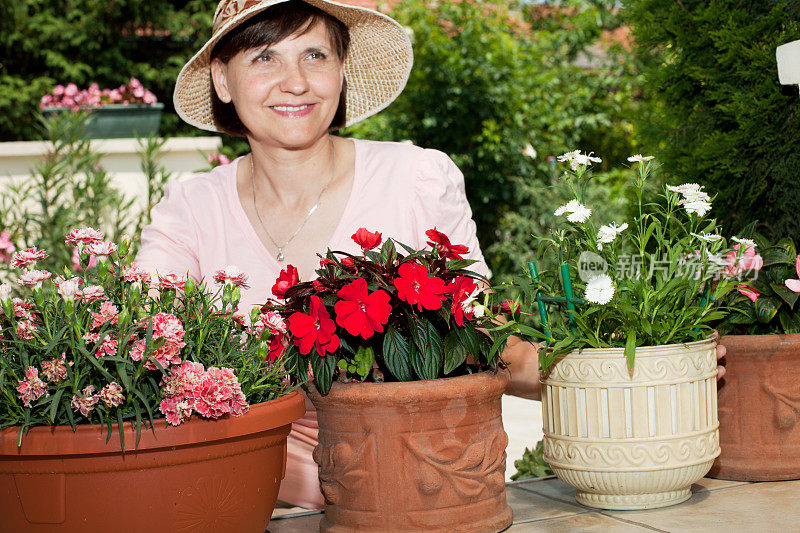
292 111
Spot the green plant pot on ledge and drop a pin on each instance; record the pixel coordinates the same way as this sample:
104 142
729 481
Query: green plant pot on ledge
119 121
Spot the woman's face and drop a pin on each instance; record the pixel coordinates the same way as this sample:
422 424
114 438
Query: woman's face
285 94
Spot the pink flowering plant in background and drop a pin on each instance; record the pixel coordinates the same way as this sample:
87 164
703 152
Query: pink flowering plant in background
114 343
390 313
70 97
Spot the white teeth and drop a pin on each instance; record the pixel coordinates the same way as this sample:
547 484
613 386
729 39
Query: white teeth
289 108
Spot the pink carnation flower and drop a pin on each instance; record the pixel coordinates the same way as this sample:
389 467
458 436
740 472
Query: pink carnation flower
7 247
54 370
34 278
134 274
26 329
26 257
69 289
93 293
31 388
111 395
168 327
85 401
107 348
171 281
84 236
108 313
231 274
101 249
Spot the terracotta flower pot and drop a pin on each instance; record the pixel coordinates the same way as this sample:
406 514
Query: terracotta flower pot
759 409
414 456
204 475
632 440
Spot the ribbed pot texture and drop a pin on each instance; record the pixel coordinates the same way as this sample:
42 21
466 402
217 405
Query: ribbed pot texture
759 409
632 440
201 476
414 456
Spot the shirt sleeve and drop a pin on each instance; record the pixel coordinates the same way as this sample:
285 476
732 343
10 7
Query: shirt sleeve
169 243
440 201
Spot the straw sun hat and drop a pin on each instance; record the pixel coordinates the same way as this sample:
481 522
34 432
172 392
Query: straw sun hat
376 67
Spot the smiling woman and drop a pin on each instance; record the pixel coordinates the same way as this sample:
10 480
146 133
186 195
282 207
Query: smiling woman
284 74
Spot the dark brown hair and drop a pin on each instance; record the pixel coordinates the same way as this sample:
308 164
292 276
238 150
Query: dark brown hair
273 25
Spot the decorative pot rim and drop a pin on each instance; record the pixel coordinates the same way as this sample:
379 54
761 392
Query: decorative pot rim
642 351
91 438
424 390
756 344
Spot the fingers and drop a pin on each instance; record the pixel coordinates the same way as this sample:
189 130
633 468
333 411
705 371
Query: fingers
715 335
721 351
720 372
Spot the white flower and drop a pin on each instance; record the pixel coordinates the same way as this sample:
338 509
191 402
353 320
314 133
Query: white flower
748 243
576 212
584 159
467 303
707 237
639 158
569 156
695 196
581 214
685 188
70 288
599 290
607 234
33 278
530 151
697 208
5 292
478 310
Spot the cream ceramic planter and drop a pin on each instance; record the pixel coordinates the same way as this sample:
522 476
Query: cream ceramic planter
632 440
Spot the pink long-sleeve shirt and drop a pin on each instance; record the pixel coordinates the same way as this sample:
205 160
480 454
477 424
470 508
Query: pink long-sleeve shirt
399 189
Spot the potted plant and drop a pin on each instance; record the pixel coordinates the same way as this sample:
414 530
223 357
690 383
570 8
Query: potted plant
407 382
129 110
162 412
629 373
759 405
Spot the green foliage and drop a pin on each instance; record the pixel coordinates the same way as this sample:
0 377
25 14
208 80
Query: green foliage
70 189
659 285
776 309
715 108
532 464
490 77
47 42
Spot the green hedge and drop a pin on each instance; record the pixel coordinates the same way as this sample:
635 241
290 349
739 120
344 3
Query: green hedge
715 107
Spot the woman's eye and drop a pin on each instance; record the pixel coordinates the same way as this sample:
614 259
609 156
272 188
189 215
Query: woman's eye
264 57
317 55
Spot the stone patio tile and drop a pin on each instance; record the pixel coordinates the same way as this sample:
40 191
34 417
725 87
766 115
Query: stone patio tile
713 484
588 521
749 507
552 488
531 506
302 524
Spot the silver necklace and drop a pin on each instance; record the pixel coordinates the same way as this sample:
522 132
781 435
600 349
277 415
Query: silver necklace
280 257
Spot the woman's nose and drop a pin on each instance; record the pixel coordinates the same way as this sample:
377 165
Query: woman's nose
294 79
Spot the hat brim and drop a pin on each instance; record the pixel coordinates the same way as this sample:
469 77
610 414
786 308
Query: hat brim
376 68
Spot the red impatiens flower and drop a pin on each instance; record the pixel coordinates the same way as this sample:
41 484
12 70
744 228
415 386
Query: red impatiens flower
361 313
446 249
463 290
314 329
287 279
415 287
367 240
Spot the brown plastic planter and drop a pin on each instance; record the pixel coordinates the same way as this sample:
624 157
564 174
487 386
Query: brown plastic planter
759 409
204 475
415 456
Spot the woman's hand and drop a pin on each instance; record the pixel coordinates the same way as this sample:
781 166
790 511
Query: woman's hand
721 351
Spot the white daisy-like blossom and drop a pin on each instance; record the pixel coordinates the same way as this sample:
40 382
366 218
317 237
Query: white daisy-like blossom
608 233
468 301
748 243
576 212
685 188
697 208
707 237
530 151
478 310
639 158
580 215
569 156
577 159
599 290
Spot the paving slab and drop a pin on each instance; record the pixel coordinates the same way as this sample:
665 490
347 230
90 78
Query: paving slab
588 521
528 506
741 508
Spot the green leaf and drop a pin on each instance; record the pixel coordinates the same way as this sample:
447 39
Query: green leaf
790 322
365 358
777 256
458 264
427 358
55 402
766 308
454 352
469 339
396 355
323 368
630 347
790 297
388 252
